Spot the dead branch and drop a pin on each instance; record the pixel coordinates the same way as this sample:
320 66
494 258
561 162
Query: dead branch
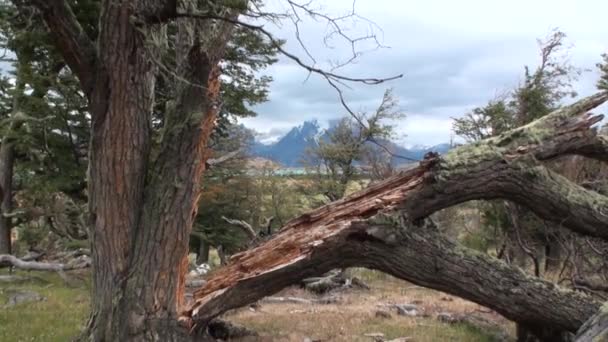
298 300
44 266
245 227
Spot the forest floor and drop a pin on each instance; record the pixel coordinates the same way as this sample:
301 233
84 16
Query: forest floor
63 312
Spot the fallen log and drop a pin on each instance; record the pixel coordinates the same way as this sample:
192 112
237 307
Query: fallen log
346 233
13 261
298 300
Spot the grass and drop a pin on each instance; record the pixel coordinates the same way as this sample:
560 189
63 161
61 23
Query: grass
62 316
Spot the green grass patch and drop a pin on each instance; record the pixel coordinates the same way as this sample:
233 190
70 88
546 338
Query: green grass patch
61 317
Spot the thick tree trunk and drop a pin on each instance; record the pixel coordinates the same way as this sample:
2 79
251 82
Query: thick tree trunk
419 254
121 104
142 210
7 159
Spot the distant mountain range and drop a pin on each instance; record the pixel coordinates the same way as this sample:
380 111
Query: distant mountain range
290 149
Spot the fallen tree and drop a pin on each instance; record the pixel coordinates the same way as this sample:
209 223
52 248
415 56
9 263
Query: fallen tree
347 233
77 263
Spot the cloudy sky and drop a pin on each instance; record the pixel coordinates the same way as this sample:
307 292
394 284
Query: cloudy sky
455 55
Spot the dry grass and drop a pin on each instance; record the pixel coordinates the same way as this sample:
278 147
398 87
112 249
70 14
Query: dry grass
355 316
62 316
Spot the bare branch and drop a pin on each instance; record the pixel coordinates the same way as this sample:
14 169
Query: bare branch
277 44
222 159
245 227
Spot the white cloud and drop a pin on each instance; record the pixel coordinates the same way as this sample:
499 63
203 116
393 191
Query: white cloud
455 55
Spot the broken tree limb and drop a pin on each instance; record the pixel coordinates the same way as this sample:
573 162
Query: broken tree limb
245 227
423 256
213 162
44 266
337 235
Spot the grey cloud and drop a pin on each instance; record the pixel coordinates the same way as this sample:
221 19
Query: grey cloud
454 56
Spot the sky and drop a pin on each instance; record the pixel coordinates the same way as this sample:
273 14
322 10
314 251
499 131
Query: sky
454 56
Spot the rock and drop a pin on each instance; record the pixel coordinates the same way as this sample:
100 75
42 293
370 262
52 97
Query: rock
447 317
20 297
200 270
383 314
406 309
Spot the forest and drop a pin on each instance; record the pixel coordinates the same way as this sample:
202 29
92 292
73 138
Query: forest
133 209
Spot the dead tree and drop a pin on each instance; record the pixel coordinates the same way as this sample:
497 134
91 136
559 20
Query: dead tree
348 232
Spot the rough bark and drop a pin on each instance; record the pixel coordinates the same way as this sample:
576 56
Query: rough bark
141 210
424 257
504 167
7 159
596 328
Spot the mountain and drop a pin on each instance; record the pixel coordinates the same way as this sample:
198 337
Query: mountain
290 149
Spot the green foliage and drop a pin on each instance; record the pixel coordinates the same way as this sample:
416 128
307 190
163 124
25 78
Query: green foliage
538 95
602 84
483 122
332 159
541 92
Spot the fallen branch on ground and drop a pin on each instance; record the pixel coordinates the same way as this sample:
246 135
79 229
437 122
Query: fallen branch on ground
79 263
297 300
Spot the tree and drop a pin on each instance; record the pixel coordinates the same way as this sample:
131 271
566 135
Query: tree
357 231
335 155
602 84
143 187
44 126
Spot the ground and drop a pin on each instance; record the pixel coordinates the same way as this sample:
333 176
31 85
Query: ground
63 314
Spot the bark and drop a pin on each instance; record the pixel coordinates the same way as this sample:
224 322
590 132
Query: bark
203 252
7 159
421 255
506 167
596 328
141 210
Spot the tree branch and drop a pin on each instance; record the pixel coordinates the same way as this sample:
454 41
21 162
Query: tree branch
245 227
70 39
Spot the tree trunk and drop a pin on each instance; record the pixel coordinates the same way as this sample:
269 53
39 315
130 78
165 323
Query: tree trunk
121 104
419 254
202 256
7 159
